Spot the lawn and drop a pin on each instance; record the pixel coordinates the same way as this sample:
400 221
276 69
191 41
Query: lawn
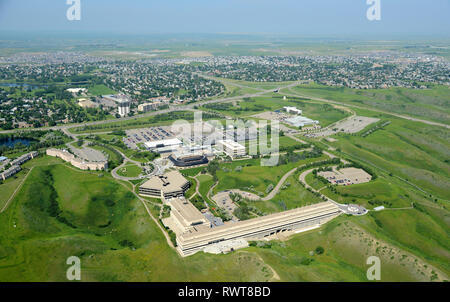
324 113
253 177
115 239
103 224
292 195
431 104
100 90
411 150
130 171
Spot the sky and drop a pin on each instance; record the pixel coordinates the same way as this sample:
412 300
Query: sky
303 17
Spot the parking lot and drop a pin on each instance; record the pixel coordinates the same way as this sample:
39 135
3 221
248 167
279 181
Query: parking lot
140 136
350 125
223 200
346 176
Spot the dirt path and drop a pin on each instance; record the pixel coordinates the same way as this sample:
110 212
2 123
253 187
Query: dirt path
15 191
197 186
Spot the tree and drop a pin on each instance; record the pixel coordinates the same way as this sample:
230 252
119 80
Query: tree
320 250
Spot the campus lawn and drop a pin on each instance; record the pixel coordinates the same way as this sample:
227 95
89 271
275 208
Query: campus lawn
315 183
253 177
116 241
292 195
206 182
100 90
414 151
130 171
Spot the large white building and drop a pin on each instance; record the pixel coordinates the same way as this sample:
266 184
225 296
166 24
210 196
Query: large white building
123 103
301 121
171 144
123 107
232 148
194 235
293 110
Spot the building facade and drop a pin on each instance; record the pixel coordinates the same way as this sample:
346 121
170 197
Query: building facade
169 185
77 162
289 221
232 148
10 172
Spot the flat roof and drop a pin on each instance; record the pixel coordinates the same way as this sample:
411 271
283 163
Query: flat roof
262 222
231 144
163 143
189 213
169 182
300 120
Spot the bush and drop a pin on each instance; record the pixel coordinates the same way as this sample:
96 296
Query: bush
320 250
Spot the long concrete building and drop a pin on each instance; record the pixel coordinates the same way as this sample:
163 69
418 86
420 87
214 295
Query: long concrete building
184 216
77 162
198 237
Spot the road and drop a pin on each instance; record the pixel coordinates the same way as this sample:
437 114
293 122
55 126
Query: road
294 94
189 107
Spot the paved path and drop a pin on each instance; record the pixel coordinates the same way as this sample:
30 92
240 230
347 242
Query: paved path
279 185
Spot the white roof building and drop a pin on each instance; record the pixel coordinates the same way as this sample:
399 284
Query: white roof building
173 142
232 148
300 121
293 110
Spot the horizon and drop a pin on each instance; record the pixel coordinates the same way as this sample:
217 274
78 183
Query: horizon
314 19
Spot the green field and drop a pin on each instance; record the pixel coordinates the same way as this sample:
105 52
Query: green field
254 177
100 90
431 104
129 171
103 224
325 113
414 151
